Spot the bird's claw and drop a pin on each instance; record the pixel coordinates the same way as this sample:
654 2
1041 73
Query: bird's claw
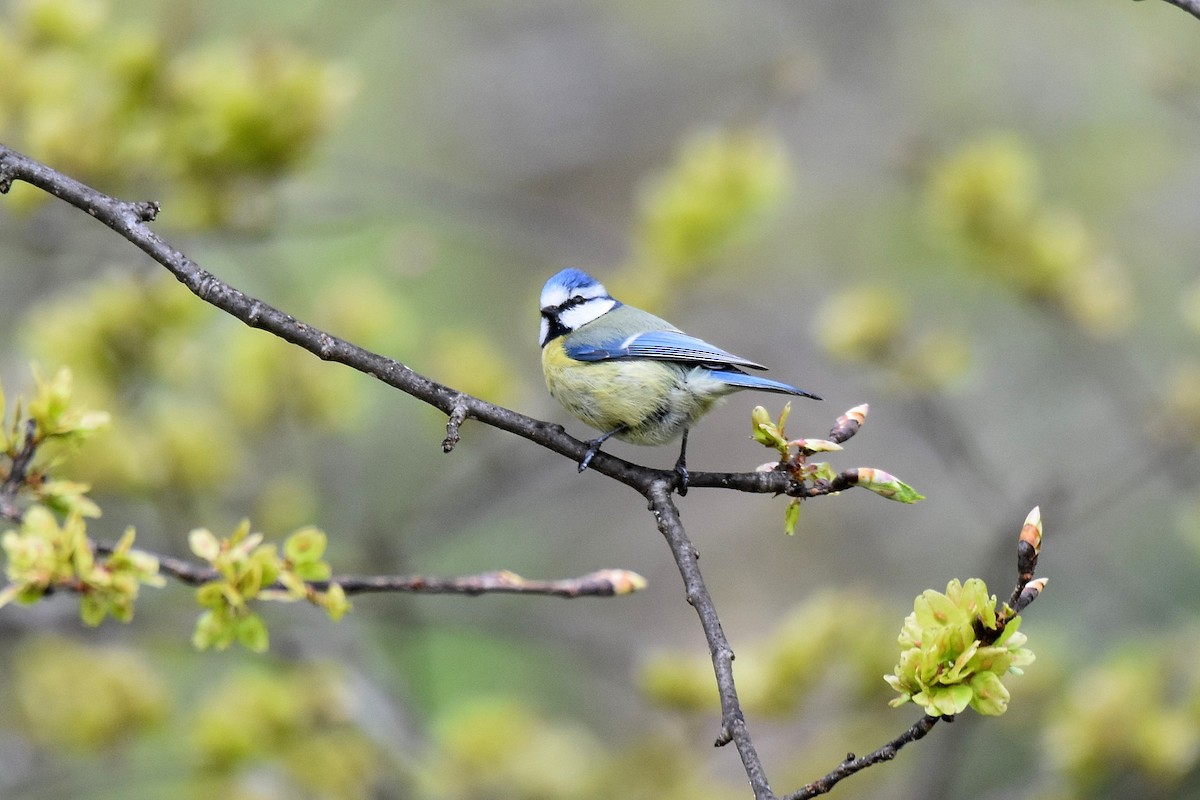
593 448
682 484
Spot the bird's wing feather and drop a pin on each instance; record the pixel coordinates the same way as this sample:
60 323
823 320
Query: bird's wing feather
758 383
659 346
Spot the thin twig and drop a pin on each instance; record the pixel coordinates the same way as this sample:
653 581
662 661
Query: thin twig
18 472
603 583
852 765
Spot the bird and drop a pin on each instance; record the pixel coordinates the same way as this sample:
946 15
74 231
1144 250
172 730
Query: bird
631 375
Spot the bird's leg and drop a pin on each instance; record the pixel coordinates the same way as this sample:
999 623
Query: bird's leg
681 466
594 446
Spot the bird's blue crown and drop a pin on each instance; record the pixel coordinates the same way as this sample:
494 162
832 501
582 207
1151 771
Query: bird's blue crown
568 284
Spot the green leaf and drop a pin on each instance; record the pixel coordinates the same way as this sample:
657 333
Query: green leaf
92 610
204 544
791 516
319 571
335 602
305 546
252 633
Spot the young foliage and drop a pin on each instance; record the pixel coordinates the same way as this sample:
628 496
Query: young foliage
43 556
820 477
945 665
248 569
957 646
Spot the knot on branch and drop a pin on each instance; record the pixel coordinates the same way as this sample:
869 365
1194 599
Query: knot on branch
145 211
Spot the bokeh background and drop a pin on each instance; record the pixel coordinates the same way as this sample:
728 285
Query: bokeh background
981 218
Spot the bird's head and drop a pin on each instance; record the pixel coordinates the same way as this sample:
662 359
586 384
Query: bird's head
571 299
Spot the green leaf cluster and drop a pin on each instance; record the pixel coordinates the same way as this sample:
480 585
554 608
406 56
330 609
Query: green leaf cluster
56 419
945 665
250 569
871 325
53 412
42 556
793 459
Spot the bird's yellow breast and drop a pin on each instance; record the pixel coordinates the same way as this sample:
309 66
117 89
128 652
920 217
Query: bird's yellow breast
654 400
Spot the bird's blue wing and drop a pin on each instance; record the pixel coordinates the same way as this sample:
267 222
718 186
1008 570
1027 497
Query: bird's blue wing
659 346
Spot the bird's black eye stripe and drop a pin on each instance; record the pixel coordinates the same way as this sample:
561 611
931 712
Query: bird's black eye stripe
571 302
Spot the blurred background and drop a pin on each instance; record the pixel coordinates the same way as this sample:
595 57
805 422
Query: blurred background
980 218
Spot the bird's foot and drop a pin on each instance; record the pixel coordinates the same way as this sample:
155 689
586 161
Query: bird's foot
593 448
681 473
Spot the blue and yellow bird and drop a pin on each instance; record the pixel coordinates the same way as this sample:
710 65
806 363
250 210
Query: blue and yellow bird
629 374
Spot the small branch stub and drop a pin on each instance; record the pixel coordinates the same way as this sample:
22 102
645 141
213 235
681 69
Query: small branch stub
457 416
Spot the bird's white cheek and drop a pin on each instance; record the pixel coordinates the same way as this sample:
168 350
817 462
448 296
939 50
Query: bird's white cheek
582 314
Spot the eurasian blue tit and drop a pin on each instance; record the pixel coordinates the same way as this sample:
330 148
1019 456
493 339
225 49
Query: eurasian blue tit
632 375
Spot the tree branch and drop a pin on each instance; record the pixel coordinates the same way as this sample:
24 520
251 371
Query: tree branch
602 583
733 722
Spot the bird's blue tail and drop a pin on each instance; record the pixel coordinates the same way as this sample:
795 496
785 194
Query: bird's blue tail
744 381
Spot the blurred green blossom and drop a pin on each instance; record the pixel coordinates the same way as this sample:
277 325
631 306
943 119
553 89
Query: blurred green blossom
1134 715
472 361
84 697
871 325
721 184
250 569
299 719
1180 415
945 665
986 198
131 344
721 181
108 100
500 748
861 324
136 344
831 639
253 368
